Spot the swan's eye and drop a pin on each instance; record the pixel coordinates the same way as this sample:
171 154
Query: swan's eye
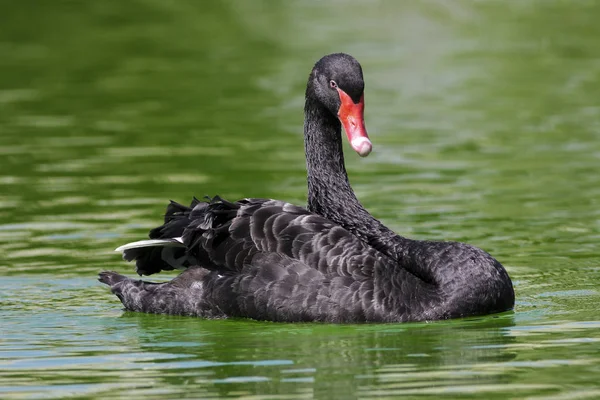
332 84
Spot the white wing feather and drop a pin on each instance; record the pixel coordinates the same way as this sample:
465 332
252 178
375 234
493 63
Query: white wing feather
173 242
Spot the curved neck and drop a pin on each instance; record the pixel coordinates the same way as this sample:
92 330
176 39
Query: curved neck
460 270
329 191
330 195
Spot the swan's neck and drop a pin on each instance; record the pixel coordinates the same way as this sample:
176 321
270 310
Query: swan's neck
461 270
330 195
329 191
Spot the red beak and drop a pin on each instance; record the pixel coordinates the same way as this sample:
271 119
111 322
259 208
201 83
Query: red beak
351 116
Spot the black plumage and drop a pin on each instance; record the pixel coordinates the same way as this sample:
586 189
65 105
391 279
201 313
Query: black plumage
271 260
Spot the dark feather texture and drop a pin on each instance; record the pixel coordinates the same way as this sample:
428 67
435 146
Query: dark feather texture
267 259
271 260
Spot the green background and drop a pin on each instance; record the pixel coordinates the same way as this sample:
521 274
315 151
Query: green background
485 119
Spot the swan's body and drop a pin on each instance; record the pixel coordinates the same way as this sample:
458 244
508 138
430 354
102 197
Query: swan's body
270 260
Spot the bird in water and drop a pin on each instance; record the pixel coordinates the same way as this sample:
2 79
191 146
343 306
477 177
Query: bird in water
331 261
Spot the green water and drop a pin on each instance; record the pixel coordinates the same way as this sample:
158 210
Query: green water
485 119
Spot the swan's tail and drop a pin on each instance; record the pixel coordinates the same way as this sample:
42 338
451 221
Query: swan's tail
111 278
184 295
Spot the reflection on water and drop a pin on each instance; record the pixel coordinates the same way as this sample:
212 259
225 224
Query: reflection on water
91 347
485 123
187 355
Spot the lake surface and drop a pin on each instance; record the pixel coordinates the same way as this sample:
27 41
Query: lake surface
485 119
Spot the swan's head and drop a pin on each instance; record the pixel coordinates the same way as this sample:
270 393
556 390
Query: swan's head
337 82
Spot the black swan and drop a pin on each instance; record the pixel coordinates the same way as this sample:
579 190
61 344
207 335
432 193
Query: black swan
333 262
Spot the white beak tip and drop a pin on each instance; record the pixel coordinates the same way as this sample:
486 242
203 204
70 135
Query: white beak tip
362 146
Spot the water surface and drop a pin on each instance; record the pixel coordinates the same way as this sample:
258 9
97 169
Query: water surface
486 127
